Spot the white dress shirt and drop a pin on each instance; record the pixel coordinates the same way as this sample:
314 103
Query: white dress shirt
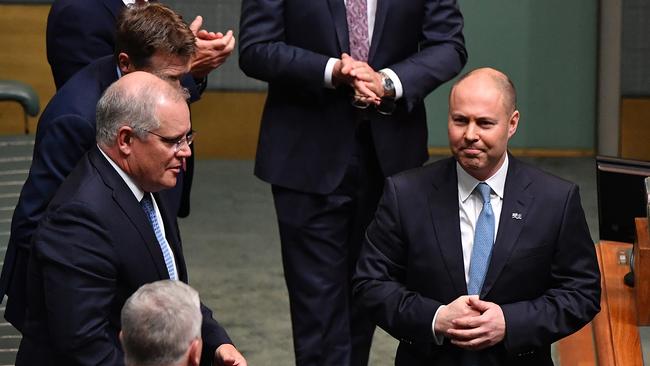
470 205
139 194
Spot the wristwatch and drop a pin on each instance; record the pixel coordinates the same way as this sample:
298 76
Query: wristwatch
387 84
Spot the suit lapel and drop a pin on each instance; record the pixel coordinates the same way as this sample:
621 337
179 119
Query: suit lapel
380 19
337 8
516 202
443 204
123 196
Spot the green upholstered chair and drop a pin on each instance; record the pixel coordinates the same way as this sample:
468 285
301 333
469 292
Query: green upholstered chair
12 90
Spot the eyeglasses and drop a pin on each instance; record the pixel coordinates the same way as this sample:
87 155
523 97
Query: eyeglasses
386 107
177 143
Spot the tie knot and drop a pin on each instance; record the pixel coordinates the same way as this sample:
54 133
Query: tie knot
146 201
484 189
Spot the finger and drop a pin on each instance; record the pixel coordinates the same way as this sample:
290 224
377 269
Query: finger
196 24
474 344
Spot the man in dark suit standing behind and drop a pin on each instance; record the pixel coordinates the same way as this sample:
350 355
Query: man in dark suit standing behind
479 259
344 109
107 232
81 31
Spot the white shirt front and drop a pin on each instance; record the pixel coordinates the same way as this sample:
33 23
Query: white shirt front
470 205
139 194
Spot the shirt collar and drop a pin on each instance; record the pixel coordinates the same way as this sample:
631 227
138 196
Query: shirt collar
128 2
137 191
467 183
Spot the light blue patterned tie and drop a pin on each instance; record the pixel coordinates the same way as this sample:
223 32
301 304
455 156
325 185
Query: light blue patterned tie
147 206
483 241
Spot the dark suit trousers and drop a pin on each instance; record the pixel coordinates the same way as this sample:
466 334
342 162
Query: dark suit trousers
321 237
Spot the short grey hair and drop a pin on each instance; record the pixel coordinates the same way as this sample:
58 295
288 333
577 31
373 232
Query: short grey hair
133 106
159 322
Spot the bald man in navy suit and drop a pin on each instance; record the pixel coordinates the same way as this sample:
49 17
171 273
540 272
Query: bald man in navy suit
418 272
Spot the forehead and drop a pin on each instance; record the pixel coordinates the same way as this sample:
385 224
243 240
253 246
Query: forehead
477 92
174 116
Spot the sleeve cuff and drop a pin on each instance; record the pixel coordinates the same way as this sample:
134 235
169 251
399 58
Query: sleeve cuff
399 90
437 339
329 68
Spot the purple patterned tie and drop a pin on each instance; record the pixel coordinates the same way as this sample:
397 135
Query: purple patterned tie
357 15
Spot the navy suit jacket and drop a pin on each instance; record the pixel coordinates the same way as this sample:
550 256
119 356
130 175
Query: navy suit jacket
543 271
307 130
81 31
65 131
93 249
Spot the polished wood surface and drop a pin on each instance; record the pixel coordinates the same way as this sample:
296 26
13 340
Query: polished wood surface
635 129
578 349
615 328
642 270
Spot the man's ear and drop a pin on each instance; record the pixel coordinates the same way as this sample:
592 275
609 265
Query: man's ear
513 123
125 137
194 352
124 63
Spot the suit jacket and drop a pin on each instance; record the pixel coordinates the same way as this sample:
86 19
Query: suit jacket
93 249
307 130
81 31
543 271
65 131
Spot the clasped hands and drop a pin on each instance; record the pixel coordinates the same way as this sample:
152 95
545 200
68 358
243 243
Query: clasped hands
366 82
471 323
212 49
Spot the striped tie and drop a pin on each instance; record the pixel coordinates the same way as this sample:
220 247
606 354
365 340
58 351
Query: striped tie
147 206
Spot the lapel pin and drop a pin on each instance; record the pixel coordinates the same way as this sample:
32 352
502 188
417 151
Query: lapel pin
516 215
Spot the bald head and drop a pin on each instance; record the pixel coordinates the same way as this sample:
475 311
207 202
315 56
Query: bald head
482 118
132 101
498 80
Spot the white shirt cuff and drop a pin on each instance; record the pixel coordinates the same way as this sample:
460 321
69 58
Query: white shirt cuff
437 339
399 91
328 72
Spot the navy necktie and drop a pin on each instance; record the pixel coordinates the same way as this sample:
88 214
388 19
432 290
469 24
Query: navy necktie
149 210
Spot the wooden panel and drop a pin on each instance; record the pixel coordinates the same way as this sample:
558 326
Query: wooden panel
615 331
642 270
582 340
635 128
23 58
227 124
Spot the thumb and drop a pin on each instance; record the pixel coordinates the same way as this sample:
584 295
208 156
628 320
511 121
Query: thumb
478 304
196 24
